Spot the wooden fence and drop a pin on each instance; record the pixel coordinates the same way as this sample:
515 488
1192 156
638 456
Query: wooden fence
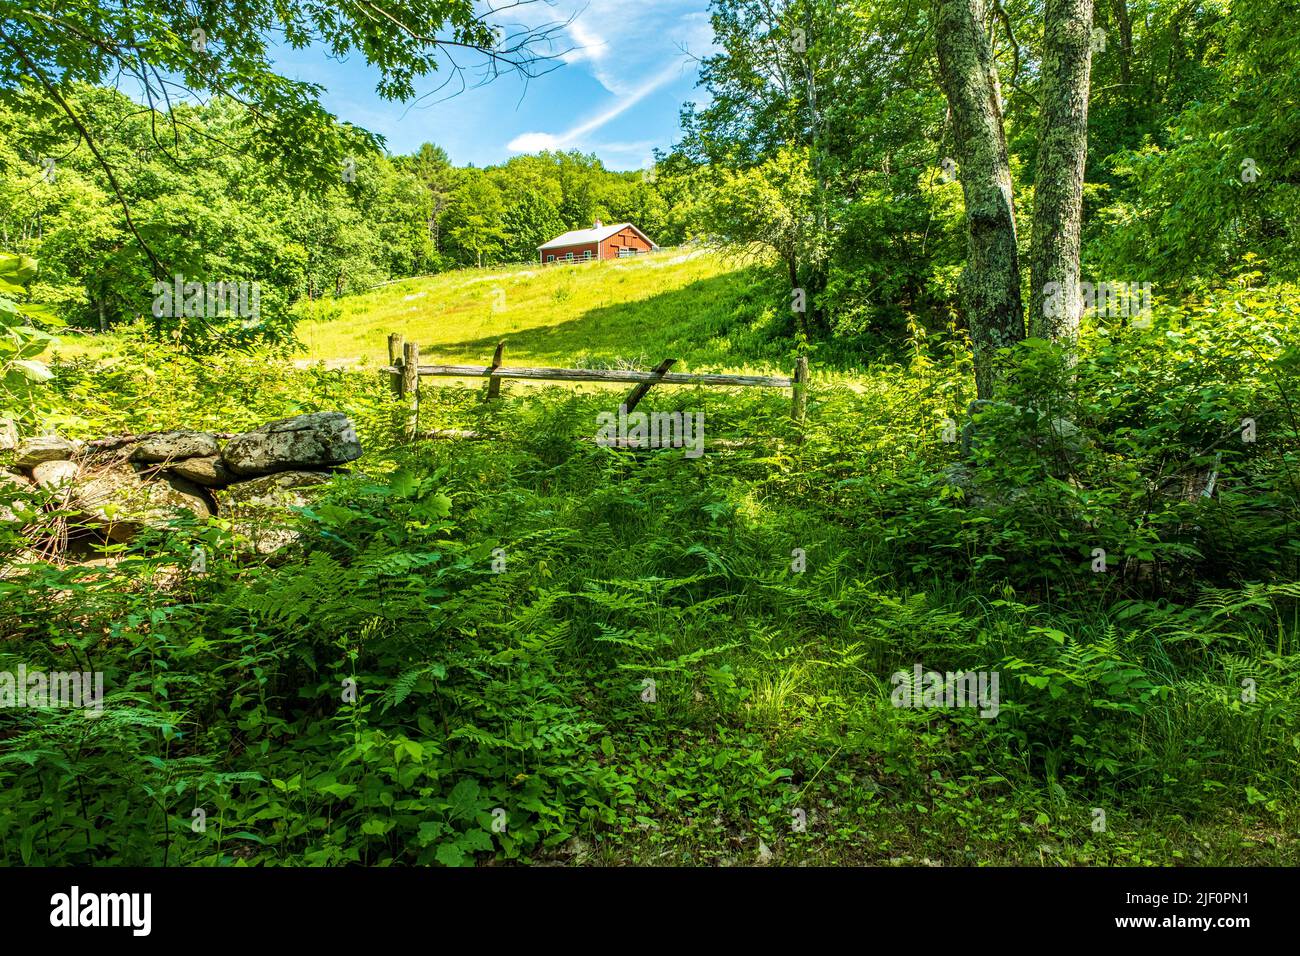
405 369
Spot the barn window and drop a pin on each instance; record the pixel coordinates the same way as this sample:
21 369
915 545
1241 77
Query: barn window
569 256
550 258
586 254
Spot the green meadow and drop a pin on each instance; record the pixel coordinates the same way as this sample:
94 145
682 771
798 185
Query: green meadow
675 303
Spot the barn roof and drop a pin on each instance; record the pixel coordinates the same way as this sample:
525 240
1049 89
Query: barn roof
595 234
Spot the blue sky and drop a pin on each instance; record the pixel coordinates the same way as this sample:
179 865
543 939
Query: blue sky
626 68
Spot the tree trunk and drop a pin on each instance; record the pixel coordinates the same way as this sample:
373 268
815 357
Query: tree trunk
1126 48
991 280
814 143
1055 303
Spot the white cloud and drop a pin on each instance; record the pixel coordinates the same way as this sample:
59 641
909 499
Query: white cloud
587 44
534 143
622 41
630 48
531 142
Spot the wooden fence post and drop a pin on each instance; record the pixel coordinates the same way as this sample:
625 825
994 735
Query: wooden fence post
411 382
395 359
494 383
410 369
800 408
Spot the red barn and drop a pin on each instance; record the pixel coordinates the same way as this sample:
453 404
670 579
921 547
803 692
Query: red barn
599 242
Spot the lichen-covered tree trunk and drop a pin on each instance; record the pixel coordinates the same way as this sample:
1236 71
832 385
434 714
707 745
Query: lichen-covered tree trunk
990 284
1055 302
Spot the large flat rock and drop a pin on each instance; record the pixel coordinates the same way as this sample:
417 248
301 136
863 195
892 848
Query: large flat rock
211 472
318 440
261 509
122 502
10 482
173 446
55 474
32 451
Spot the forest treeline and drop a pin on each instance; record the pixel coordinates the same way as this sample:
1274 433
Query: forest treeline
208 214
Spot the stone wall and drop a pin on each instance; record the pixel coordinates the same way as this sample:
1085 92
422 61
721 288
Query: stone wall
115 487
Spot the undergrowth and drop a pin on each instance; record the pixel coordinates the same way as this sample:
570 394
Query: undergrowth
530 647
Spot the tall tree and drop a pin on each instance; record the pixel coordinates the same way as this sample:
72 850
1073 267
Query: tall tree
769 206
434 168
474 224
528 221
1055 303
991 279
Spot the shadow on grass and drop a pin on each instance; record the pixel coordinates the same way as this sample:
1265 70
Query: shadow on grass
729 320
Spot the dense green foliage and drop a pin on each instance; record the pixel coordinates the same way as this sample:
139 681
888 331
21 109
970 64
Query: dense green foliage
1182 96
519 688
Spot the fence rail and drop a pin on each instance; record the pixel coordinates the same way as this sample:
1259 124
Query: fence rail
594 375
406 370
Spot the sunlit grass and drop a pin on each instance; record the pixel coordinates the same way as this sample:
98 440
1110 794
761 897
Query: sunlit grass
675 303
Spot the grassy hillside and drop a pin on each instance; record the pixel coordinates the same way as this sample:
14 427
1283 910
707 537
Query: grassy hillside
692 305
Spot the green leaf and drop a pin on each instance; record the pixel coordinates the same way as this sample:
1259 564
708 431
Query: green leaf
339 790
476 840
15 268
449 854
464 800
34 370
